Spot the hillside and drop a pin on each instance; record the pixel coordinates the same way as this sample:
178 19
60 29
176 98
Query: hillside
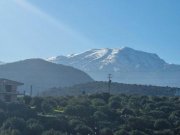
42 74
126 64
116 88
1 63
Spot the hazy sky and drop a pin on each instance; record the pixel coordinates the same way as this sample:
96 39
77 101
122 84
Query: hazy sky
45 28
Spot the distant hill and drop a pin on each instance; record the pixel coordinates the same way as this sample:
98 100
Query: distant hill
42 74
1 63
116 88
125 64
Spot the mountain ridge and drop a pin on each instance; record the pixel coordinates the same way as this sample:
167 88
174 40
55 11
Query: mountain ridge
126 64
119 57
42 74
1 63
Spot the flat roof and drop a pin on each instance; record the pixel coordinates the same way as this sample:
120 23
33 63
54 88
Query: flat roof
12 82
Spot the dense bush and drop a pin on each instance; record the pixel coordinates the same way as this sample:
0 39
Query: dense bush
97 114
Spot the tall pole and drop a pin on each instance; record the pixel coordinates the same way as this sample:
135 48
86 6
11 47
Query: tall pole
31 89
109 82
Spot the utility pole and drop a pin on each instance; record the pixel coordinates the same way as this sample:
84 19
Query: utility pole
109 82
24 93
31 89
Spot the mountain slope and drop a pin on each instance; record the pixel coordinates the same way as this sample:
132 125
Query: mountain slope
127 65
112 60
42 74
1 63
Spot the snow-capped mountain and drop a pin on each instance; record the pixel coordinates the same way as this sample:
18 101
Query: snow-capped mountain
111 60
126 64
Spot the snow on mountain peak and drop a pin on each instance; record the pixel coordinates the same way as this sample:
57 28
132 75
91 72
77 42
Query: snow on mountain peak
72 55
114 59
126 64
98 53
111 57
51 58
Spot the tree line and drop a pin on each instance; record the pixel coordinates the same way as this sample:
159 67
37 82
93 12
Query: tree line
96 114
116 88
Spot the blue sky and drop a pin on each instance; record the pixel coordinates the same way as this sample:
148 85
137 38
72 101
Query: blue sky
45 28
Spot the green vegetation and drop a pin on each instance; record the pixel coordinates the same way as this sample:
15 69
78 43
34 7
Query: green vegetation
116 88
97 114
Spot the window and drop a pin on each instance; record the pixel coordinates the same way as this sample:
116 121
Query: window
8 88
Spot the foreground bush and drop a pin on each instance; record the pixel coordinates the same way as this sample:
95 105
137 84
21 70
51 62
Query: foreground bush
98 114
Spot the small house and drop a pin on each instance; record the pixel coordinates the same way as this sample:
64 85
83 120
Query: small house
8 90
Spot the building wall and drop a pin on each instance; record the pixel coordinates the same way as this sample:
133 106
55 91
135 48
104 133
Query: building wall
1 90
12 94
14 90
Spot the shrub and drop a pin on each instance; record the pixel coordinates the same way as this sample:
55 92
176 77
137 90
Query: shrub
162 124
